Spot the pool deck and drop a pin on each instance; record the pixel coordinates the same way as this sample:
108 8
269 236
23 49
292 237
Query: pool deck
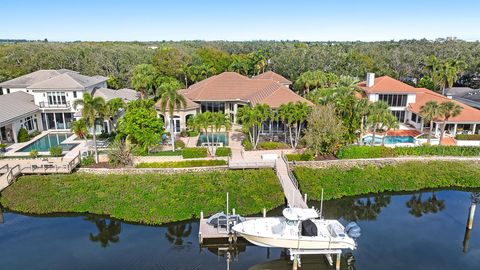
12 150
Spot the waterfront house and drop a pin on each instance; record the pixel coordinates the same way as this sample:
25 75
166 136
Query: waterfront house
18 110
53 93
229 91
405 102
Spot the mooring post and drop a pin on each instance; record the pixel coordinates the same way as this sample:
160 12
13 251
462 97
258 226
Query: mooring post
233 211
337 265
264 212
471 216
305 197
201 215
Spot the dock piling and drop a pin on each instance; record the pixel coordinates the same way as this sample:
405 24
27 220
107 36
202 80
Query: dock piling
264 212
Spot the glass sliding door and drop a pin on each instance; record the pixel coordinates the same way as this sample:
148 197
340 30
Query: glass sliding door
59 121
50 121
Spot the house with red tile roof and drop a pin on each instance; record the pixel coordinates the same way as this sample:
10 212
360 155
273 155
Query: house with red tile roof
229 91
405 102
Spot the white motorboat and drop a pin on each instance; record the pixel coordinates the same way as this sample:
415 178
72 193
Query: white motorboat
297 229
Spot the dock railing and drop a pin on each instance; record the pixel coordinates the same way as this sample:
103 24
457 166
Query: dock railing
13 173
4 169
289 171
74 162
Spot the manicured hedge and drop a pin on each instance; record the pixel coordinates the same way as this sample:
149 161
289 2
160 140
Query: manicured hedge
147 198
272 145
223 152
22 135
299 157
468 137
407 176
198 152
183 164
56 151
354 152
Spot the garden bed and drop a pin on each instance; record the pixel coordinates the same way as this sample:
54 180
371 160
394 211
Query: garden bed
146 198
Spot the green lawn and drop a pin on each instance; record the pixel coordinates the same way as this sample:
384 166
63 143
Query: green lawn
406 176
145 198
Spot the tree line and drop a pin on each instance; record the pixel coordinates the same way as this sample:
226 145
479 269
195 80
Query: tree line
191 61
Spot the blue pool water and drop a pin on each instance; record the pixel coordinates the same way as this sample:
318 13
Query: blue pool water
213 137
44 143
389 139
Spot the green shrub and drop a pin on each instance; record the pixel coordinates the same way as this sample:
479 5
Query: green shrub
468 137
247 145
23 136
354 152
168 153
199 152
88 160
192 133
34 133
272 145
183 133
406 176
3 146
299 157
139 151
56 151
179 144
223 152
34 153
183 164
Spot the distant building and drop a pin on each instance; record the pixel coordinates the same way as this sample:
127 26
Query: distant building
465 95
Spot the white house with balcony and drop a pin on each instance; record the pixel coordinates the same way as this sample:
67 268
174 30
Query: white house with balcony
405 102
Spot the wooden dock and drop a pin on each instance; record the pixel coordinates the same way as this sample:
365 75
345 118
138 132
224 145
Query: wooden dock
209 232
289 184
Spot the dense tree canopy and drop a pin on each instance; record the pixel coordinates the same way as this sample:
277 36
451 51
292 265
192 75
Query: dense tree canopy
191 61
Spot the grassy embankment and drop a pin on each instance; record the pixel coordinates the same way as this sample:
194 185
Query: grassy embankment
407 176
145 198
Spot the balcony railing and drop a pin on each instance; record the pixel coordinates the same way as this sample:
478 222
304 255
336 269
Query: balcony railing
49 105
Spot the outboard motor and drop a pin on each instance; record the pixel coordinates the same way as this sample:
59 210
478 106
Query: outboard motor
353 230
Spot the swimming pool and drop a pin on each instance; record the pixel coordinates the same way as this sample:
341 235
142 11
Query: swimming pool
44 143
389 139
213 137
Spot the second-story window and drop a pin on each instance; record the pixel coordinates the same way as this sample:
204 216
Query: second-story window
56 98
394 100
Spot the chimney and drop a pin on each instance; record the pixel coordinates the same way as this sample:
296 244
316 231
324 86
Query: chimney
370 79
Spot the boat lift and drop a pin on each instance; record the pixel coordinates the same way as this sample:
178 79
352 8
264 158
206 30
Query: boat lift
295 256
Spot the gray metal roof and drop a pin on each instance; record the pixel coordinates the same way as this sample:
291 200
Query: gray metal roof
15 105
53 79
108 94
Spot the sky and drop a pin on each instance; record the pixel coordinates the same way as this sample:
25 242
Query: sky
305 20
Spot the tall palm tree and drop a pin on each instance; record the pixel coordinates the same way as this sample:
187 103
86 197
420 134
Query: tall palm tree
452 69
219 122
377 114
113 106
429 112
301 112
448 109
432 65
80 128
93 108
143 79
389 122
172 100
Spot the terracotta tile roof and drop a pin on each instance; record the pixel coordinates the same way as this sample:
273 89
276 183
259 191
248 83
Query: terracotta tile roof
386 84
270 75
404 132
190 104
469 114
231 86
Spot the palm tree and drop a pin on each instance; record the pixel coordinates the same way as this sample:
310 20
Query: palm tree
252 119
143 79
113 106
286 114
377 114
429 112
219 121
172 100
93 108
80 128
433 66
452 70
389 122
448 109
300 114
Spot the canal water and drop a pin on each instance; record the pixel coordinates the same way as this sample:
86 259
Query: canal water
422 230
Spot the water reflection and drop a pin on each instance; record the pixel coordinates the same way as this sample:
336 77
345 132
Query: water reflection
418 207
474 200
355 209
176 232
2 220
108 230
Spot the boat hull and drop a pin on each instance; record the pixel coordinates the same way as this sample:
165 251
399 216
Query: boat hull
296 243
